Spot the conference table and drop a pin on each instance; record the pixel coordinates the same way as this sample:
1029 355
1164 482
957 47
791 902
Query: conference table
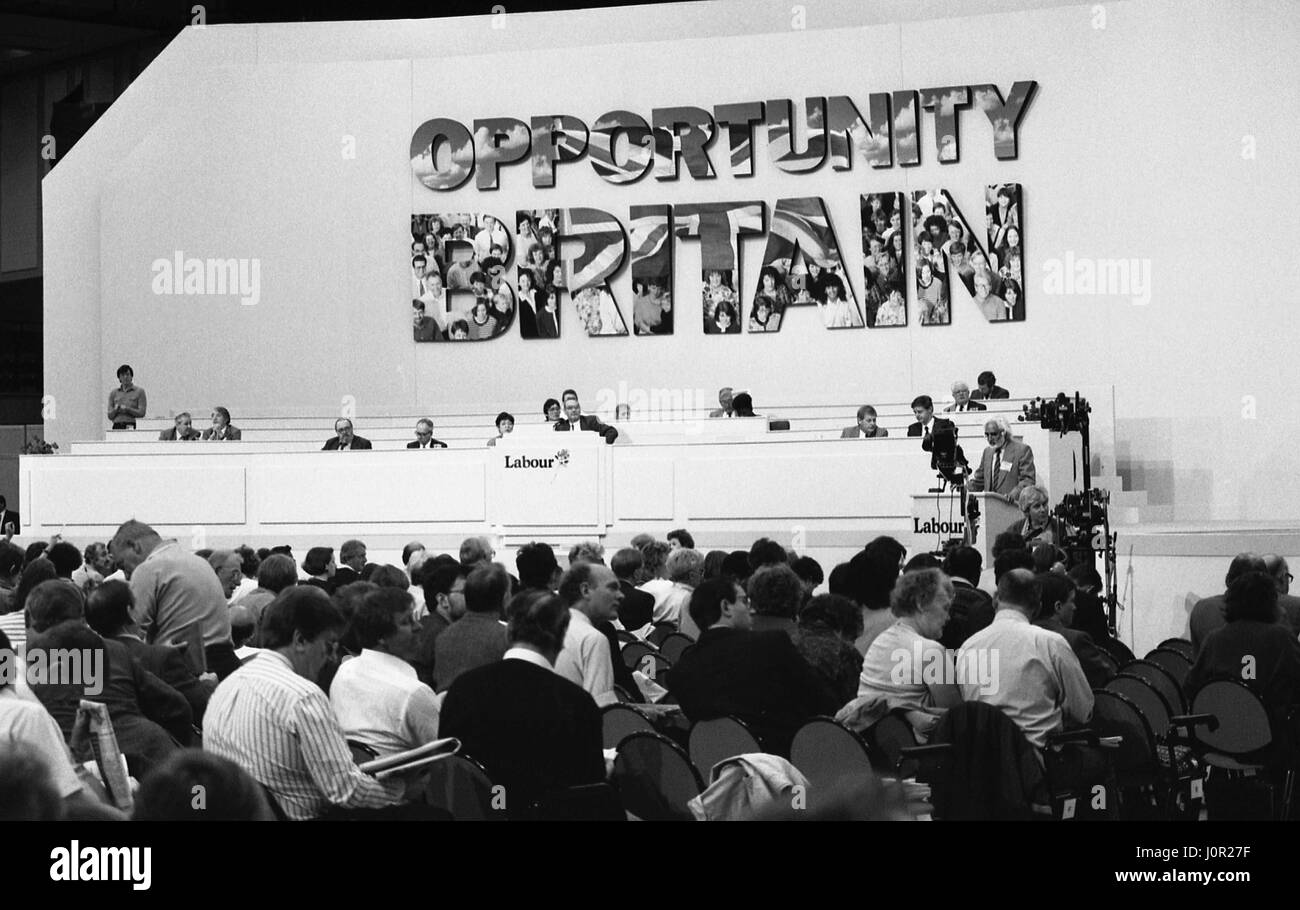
734 479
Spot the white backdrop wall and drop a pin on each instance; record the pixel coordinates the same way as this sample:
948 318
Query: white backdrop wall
1137 145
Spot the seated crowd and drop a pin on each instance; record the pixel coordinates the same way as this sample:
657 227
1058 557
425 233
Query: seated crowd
265 681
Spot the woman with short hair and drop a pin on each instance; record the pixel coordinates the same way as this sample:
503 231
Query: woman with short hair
1038 525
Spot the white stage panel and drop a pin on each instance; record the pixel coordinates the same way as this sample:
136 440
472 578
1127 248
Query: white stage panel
94 493
643 487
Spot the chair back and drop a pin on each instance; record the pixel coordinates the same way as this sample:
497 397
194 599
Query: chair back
1116 649
1180 644
1243 720
1114 714
619 721
992 771
886 739
655 778
1147 700
461 786
713 741
674 644
830 754
1174 661
633 652
1162 680
661 630
1112 665
655 666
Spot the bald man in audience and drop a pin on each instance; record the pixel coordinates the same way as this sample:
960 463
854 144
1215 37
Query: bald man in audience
229 567
593 595
1208 613
1288 605
475 552
174 590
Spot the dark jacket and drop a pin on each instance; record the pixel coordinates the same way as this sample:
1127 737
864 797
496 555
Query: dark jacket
470 642
233 434
637 608
591 423
426 643
914 429
756 676
169 665
623 677
992 774
169 435
531 728
971 610
358 442
1095 667
1276 665
433 444
996 392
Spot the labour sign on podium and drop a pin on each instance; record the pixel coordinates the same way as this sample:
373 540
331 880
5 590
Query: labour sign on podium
936 519
549 479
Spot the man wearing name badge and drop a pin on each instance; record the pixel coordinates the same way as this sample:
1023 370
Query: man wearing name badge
424 436
574 419
926 423
345 439
724 399
1006 467
961 399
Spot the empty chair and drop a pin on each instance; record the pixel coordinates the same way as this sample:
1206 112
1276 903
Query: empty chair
827 753
1146 698
1114 714
619 721
1162 680
633 652
712 741
1174 661
886 739
462 786
1179 644
674 645
1237 746
655 778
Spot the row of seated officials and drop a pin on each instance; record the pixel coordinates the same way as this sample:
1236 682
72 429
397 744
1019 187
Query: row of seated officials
518 668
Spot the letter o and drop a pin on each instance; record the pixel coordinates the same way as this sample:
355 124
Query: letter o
424 153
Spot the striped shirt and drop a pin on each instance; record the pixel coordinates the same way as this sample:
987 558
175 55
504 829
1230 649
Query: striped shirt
278 727
15 627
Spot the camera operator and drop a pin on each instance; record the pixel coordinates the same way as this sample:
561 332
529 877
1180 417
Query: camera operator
1006 467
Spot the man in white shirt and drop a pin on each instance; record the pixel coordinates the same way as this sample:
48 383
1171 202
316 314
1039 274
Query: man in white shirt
1029 672
377 697
593 595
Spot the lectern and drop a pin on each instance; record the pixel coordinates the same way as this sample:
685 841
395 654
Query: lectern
995 516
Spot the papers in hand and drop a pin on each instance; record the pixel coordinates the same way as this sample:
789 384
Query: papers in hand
412 759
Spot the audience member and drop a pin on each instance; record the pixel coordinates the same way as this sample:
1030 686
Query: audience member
1010 559
1038 525
1288 606
587 551
828 626
775 596
109 612
1040 684
479 636
96 567
537 567
169 792
713 561
636 610
972 609
873 572
475 552
173 591
229 568
592 594
685 570
66 558
274 722
319 566
681 538
1056 613
393 577
376 697
276 573
1210 612
654 572
352 559
535 731
756 676
11 571
149 716
766 552
443 580
810 573
906 665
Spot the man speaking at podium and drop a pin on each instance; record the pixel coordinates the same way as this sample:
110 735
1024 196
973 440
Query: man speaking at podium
574 419
1006 467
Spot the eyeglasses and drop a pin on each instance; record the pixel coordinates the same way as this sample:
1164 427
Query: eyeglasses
993 435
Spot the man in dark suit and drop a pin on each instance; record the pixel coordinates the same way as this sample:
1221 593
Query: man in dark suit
1006 467
866 427
183 429
344 438
1208 613
424 436
108 612
988 387
10 521
756 676
149 717
961 399
221 429
352 559
637 607
574 419
972 609
926 422
533 730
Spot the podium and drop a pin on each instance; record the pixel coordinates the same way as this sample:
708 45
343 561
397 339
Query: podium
936 519
549 479
995 516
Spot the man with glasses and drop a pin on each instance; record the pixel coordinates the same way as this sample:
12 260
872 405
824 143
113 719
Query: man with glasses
1287 605
1006 467
424 436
